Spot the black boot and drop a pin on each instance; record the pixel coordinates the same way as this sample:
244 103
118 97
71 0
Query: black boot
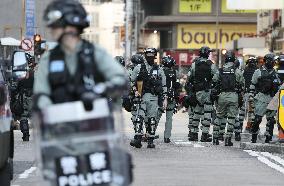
268 139
253 138
237 136
24 126
205 138
151 144
136 142
193 136
215 141
221 137
228 141
167 140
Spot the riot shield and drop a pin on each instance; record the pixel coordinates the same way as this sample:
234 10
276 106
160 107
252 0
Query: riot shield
79 147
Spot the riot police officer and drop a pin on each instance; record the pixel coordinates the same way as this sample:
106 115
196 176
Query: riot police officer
75 69
280 70
149 77
21 98
264 85
251 67
200 77
169 63
229 82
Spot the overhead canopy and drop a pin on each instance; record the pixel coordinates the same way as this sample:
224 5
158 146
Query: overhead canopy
254 51
255 4
10 41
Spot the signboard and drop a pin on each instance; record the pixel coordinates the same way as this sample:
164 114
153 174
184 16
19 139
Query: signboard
281 109
182 57
30 18
92 169
195 6
234 11
26 44
194 36
255 4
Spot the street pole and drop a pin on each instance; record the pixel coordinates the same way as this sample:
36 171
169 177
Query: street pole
23 18
128 23
217 34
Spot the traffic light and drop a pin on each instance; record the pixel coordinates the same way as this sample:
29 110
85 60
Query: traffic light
37 45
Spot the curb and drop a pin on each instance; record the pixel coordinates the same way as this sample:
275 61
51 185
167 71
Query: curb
263 147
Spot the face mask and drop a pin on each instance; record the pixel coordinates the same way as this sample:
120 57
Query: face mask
251 65
150 60
269 65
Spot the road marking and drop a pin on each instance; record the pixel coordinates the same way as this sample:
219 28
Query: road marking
26 173
183 143
197 146
273 157
264 158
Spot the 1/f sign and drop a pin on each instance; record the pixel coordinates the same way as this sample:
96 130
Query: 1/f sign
195 6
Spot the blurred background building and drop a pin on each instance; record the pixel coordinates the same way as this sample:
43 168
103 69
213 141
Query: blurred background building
180 27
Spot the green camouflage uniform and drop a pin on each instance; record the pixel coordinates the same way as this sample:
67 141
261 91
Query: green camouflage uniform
203 109
261 101
227 105
148 111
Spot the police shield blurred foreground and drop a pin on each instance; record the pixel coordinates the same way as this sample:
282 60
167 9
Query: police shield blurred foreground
79 143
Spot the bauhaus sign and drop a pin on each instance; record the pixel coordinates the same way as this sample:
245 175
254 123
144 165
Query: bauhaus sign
193 36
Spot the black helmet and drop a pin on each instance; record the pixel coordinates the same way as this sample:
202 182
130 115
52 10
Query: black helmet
150 55
150 52
120 59
204 51
137 59
168 61
230 57
269 60
251 60
61 13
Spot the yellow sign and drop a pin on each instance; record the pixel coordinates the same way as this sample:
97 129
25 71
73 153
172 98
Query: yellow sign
281 109
192 36
225 10
195 6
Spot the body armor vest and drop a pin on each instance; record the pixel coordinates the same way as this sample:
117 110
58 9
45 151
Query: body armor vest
248 73
202 76
152 82
228 80
171 79
66 87
265 83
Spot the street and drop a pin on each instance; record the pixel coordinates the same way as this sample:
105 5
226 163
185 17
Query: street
180 163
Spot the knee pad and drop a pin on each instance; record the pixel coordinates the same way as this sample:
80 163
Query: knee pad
257 119
255 125
152 126
138 123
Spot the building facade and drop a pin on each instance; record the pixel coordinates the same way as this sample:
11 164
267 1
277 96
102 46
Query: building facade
182 26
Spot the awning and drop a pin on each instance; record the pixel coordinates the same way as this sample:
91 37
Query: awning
254 51
10 41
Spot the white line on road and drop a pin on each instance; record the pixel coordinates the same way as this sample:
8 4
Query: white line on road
27 172
183 143
197 146
263 157
273 157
